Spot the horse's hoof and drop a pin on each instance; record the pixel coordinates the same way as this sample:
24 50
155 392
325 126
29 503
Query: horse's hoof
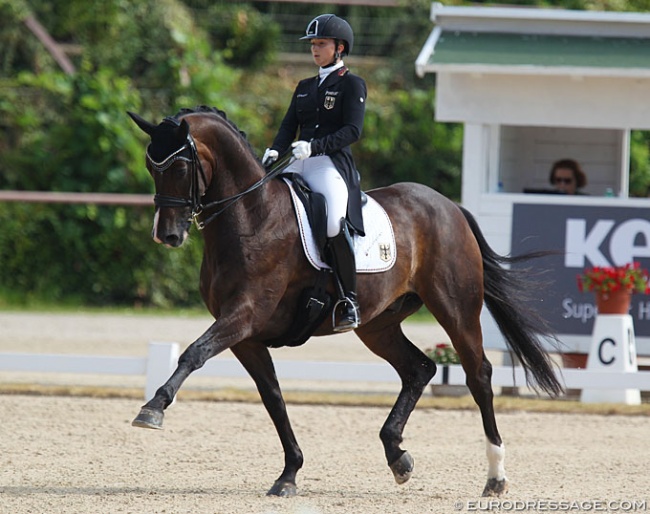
282 488
149 418
495 488
402 468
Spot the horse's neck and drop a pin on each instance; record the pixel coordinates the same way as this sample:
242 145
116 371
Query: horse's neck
235 166
236 170
247 233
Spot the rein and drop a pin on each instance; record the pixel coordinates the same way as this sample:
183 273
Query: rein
194 201
280 165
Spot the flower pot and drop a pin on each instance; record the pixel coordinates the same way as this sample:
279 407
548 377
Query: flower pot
574 360
614 302
449 390
445 389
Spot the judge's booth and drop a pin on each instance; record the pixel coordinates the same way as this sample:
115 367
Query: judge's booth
532 86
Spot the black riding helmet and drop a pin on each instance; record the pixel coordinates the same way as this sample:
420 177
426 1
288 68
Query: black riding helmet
329 26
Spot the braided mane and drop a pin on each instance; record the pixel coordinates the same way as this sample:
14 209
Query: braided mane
200 109
206 109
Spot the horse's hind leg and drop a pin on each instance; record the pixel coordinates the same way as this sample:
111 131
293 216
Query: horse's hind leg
479 383
415 370
464 329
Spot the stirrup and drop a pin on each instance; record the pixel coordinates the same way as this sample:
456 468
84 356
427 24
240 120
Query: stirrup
346 324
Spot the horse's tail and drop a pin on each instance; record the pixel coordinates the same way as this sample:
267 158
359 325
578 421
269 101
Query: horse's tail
521 325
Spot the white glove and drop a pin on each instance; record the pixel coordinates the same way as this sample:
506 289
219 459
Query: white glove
301 149
270 156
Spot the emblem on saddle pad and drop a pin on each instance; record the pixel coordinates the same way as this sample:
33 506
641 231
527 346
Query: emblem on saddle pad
384 252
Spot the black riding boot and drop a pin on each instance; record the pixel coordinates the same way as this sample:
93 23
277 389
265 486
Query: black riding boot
340 256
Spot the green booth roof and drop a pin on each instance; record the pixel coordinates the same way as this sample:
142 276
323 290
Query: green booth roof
509 51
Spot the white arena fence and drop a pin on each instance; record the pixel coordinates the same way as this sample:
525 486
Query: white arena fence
162 358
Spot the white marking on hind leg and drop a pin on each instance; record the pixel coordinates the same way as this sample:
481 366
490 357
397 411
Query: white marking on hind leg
496 457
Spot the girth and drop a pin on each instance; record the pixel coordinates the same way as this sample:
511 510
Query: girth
314 304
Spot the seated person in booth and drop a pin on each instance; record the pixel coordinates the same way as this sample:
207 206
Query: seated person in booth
567 177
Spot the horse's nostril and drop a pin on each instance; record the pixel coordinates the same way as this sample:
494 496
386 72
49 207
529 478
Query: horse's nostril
172 240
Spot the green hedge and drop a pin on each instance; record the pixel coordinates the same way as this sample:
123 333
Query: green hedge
71 133
92 255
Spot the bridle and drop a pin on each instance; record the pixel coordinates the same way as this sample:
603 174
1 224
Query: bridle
186 153
189 154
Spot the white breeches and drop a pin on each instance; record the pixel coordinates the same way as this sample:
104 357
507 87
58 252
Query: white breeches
322 177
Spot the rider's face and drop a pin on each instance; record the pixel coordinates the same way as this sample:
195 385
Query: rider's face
323 50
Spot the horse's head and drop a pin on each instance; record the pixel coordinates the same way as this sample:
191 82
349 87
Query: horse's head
179 178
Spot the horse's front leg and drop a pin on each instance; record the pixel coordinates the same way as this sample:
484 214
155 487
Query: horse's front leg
256 359
208 345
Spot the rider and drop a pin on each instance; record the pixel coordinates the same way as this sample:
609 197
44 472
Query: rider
328 110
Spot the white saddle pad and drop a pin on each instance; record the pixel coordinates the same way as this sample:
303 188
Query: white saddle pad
375 252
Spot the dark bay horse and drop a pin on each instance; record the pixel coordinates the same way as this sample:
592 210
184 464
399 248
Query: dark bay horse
254 269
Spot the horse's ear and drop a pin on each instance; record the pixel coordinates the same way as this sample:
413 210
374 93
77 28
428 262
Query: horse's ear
184 129
142 123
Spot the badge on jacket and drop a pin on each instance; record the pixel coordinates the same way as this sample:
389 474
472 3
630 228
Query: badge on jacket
329 101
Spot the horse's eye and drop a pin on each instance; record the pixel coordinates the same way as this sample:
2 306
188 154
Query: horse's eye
180 171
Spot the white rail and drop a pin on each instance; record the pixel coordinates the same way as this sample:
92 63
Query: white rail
162 358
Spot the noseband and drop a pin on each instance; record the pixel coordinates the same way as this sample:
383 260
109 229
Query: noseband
189 154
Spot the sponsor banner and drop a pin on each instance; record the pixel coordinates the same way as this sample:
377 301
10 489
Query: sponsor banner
580 237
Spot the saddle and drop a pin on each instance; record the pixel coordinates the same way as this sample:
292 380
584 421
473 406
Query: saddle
374 253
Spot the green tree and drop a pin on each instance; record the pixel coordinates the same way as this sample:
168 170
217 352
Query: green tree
71 133
640 163
402 142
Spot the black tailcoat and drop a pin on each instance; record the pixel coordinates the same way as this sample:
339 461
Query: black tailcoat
330 116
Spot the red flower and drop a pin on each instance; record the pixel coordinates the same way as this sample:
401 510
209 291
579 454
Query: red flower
443 353
630 277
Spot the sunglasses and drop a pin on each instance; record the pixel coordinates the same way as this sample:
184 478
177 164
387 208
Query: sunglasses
561 180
